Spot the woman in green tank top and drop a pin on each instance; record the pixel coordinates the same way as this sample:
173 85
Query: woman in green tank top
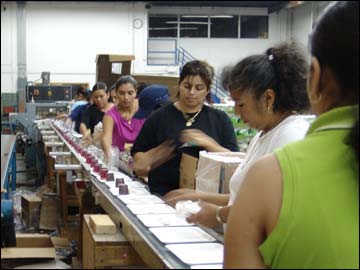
299 207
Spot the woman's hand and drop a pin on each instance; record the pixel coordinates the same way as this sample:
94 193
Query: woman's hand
206 216
87 139
182 194
97 137
196 137
144 162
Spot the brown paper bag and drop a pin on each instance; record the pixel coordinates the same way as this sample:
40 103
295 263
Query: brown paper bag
188 167
215 170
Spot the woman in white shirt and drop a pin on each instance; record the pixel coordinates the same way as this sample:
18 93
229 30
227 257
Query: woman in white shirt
269 91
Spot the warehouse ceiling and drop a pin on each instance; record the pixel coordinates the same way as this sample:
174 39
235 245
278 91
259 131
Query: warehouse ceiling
272 6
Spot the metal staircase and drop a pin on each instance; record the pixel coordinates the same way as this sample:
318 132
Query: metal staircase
217 91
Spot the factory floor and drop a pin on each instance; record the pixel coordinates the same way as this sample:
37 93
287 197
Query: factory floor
67 235
25 185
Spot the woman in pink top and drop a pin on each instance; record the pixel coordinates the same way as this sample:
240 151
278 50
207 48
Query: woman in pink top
119 126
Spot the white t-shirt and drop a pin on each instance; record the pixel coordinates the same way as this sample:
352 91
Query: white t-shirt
291 129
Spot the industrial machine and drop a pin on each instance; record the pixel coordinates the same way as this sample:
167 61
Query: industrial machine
42 102
46 94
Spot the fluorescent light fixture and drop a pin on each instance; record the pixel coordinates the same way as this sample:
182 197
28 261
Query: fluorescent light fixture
189 28
162 28
222 16
206 16
175 22
194 16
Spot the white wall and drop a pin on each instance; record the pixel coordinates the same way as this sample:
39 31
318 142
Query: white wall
8 48
65 37
302 22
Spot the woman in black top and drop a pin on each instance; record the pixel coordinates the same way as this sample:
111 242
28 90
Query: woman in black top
94 114
186 126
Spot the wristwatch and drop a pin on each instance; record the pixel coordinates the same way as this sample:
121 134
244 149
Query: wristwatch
217 215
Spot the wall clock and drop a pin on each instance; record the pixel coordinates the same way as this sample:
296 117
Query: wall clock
137 23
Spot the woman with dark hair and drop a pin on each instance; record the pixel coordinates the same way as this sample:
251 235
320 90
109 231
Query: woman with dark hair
81 97
269 91
119 126
187 125
299 207
76 114
94 114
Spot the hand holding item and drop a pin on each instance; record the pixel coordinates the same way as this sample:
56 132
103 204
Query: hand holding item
195 137
186 208
182 194
86 139
206 216
68 123
154 158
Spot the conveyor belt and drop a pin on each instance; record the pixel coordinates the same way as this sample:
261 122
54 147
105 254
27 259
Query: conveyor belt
147 245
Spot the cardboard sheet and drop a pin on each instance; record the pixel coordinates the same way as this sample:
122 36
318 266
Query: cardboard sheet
162 220
140 199
151 209
132 191
170 235
199 253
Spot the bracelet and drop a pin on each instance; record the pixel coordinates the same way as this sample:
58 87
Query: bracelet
218 217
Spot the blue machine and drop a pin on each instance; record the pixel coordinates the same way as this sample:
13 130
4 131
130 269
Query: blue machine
8 164
43 101
8 236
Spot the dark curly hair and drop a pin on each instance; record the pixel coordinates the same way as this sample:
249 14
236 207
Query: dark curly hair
125 80
282 68
100 86
201 68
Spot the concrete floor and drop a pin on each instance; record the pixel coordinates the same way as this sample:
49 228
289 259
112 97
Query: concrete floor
25 184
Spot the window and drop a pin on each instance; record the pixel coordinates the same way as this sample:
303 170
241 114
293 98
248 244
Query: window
197 26
159 26
194 26
161 51
224 26
254 27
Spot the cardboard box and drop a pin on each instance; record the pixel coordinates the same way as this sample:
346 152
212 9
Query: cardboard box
50 212
30 246
30 210
102 224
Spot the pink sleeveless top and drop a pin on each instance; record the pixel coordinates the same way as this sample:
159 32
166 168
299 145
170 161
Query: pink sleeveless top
124 131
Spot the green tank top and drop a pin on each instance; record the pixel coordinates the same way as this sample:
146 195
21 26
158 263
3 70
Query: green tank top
318 226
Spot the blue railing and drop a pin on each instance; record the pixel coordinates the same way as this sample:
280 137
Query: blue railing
165 52
217 90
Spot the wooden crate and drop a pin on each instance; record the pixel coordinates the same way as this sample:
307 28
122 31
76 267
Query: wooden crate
86 204
30 246
106 250
30 210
